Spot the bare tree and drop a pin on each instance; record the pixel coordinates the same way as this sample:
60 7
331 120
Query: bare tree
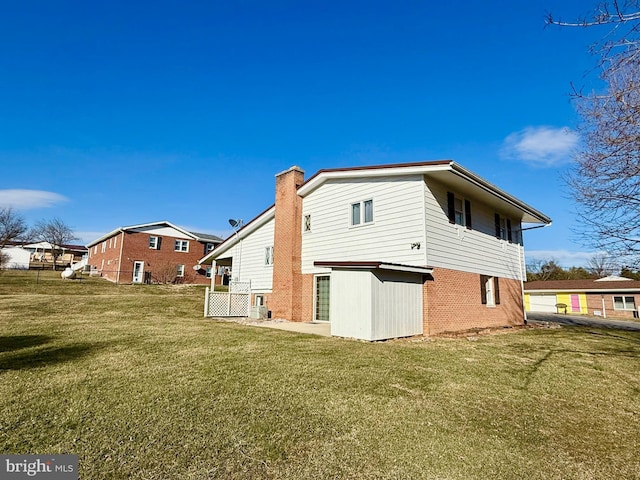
602 265
55 232
12 226
606 180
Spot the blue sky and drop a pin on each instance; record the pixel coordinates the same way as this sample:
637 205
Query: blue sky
120 113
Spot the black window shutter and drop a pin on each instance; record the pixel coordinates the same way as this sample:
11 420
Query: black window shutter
497 220
159 243
509 233
496 289
451 207
467 213
483 289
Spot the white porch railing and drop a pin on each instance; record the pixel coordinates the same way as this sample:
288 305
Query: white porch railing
234 303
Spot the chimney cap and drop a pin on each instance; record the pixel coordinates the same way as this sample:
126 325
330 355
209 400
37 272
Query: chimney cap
290 169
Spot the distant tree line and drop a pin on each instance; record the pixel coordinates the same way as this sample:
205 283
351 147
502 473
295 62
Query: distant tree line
14 229
599 266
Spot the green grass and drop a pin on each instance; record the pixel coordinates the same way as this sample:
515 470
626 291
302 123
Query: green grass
139 385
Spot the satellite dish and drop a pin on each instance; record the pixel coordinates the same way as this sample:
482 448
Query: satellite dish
233 223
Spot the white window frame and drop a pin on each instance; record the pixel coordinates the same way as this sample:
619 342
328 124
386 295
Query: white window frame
208 271
210 246
104 246
625 307
362 217
153 242
306 223
460 216
489 286
180 270
268 256
181 246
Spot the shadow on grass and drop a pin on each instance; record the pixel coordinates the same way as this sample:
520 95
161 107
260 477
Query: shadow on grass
43 357
18 342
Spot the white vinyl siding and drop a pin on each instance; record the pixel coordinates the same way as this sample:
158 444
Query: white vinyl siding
249 257
475 250
374 305
398 210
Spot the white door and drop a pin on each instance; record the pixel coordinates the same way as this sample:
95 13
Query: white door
138 272
542 302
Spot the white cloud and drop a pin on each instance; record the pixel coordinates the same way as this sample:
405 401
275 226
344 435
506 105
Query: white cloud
564 258
29 199
541 146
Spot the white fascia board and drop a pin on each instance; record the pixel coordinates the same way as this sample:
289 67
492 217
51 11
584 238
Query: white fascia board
234 238
374 172
480 182
104 237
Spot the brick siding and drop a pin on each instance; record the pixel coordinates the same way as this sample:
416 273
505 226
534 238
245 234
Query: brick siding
286 299
452 302
116 263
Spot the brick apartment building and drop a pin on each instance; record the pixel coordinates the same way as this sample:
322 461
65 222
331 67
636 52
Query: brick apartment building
157 252
386 251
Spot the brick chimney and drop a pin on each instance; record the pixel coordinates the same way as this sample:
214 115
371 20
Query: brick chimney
286 297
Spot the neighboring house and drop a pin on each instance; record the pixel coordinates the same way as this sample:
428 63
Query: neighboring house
17 258
385 251
157 252
614 297
39 255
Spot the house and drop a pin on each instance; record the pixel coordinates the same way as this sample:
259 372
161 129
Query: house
385 251
609 297
16 258
39 255
158 252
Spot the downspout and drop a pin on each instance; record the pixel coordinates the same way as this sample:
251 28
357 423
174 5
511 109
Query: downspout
120 259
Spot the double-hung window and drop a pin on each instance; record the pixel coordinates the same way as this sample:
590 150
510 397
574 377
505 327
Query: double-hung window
489 290
458 210
503 228
180 271
362 212
181 246
154 243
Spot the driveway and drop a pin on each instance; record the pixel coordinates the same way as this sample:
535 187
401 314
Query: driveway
582 321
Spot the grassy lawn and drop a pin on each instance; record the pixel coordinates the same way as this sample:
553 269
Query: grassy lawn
139 385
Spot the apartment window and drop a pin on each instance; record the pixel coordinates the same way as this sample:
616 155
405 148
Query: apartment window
181 246
307 223
208 247
458 210
489 290
154 243
624 303
503 228
362 212
268 256
180 271
208 270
